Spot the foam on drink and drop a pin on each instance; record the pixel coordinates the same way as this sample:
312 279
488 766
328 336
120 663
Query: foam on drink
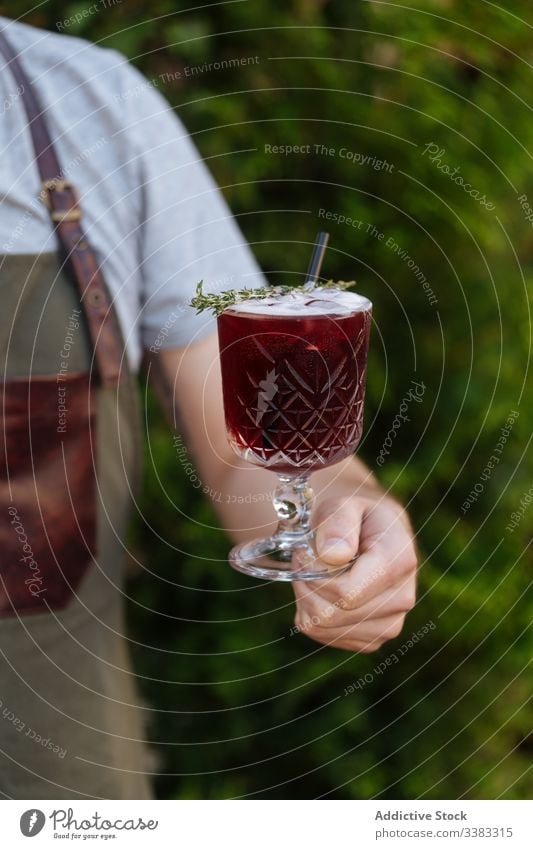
302 302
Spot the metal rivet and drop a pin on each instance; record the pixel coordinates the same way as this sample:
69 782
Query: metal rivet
95 298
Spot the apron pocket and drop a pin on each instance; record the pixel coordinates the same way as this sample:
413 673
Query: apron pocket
47 491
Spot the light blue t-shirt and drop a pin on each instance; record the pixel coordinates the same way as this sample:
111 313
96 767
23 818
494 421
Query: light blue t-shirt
151 209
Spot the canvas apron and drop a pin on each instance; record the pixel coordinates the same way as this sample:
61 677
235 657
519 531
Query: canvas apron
70 724
71 721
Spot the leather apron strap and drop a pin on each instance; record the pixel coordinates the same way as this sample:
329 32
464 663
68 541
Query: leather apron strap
79 258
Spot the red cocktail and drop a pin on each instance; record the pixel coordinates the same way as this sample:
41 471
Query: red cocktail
293 375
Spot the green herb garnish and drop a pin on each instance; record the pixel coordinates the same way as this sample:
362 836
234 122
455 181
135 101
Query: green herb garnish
218 303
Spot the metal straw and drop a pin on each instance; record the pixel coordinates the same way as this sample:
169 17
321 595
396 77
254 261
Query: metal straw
319 249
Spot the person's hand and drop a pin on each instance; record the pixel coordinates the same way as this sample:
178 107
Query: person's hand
367 605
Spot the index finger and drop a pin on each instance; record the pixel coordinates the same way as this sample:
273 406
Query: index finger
381 565
369 576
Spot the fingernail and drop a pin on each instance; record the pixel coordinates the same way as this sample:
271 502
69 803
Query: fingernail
337 548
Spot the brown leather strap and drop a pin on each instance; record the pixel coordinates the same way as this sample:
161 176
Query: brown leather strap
80 259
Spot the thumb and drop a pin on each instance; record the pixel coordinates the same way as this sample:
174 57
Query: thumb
338 525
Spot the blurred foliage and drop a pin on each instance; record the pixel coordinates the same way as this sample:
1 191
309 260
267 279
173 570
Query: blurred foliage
240 706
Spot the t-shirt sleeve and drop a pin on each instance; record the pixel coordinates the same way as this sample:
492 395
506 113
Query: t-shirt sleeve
187 231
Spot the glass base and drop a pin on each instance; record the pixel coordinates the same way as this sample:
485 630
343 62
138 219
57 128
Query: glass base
277 558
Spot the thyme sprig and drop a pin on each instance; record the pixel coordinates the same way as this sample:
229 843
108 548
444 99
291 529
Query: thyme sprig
218 303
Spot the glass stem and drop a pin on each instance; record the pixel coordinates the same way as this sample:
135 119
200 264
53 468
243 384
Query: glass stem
292 502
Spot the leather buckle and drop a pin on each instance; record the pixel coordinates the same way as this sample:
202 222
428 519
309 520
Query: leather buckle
58 216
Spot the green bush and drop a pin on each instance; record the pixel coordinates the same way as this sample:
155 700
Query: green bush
240 706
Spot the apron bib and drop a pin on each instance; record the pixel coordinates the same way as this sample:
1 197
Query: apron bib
47 484
72 450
